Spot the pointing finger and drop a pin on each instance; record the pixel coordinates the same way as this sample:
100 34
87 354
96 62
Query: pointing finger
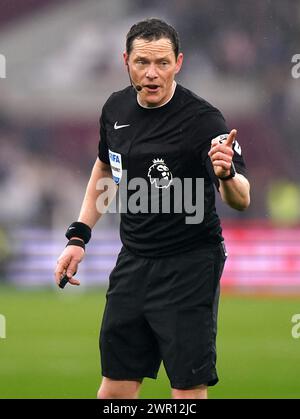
231 137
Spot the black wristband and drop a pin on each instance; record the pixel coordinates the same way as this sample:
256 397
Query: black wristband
81 230
76 242
232 173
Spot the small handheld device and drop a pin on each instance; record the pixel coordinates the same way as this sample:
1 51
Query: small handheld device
63 282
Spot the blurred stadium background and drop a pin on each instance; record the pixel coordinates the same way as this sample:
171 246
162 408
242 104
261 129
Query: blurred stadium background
63 59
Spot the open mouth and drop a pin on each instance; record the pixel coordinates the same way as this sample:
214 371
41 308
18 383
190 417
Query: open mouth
152 87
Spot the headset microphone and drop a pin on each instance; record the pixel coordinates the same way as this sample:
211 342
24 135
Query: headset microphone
137 87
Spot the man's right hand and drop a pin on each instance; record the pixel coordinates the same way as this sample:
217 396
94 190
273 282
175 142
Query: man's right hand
68 264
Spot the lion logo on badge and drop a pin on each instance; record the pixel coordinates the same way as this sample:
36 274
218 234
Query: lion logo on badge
160 174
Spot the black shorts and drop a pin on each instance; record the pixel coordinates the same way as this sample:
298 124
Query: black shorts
163 309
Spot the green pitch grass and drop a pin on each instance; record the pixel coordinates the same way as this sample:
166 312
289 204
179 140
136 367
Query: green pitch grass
51 347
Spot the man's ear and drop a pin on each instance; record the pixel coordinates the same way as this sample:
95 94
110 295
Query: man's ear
179 63
125 57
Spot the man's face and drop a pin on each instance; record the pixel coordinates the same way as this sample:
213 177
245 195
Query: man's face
153 65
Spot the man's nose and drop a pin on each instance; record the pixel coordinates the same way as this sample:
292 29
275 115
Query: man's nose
151 72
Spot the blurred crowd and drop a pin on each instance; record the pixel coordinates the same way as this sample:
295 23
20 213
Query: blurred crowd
242 38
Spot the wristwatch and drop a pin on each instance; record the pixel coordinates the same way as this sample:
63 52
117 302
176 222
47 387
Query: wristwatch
232 173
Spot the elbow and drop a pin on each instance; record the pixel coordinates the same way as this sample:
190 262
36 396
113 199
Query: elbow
242 208
242 205
244 201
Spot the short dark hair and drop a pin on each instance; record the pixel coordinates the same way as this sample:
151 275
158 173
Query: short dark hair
152 29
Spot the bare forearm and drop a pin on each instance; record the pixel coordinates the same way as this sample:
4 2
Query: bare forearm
90 212
236 192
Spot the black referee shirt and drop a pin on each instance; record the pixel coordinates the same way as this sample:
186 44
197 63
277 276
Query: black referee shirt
158 145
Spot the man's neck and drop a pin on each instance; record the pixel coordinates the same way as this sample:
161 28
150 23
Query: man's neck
163 104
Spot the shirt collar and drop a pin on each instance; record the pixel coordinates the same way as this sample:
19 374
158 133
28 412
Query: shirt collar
163 104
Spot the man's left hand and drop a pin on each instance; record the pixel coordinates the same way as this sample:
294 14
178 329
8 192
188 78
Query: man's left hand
221 154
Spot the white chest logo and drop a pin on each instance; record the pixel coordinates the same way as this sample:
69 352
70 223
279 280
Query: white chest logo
160 174
116 126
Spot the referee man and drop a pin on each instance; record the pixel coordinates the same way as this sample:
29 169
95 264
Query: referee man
162 299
